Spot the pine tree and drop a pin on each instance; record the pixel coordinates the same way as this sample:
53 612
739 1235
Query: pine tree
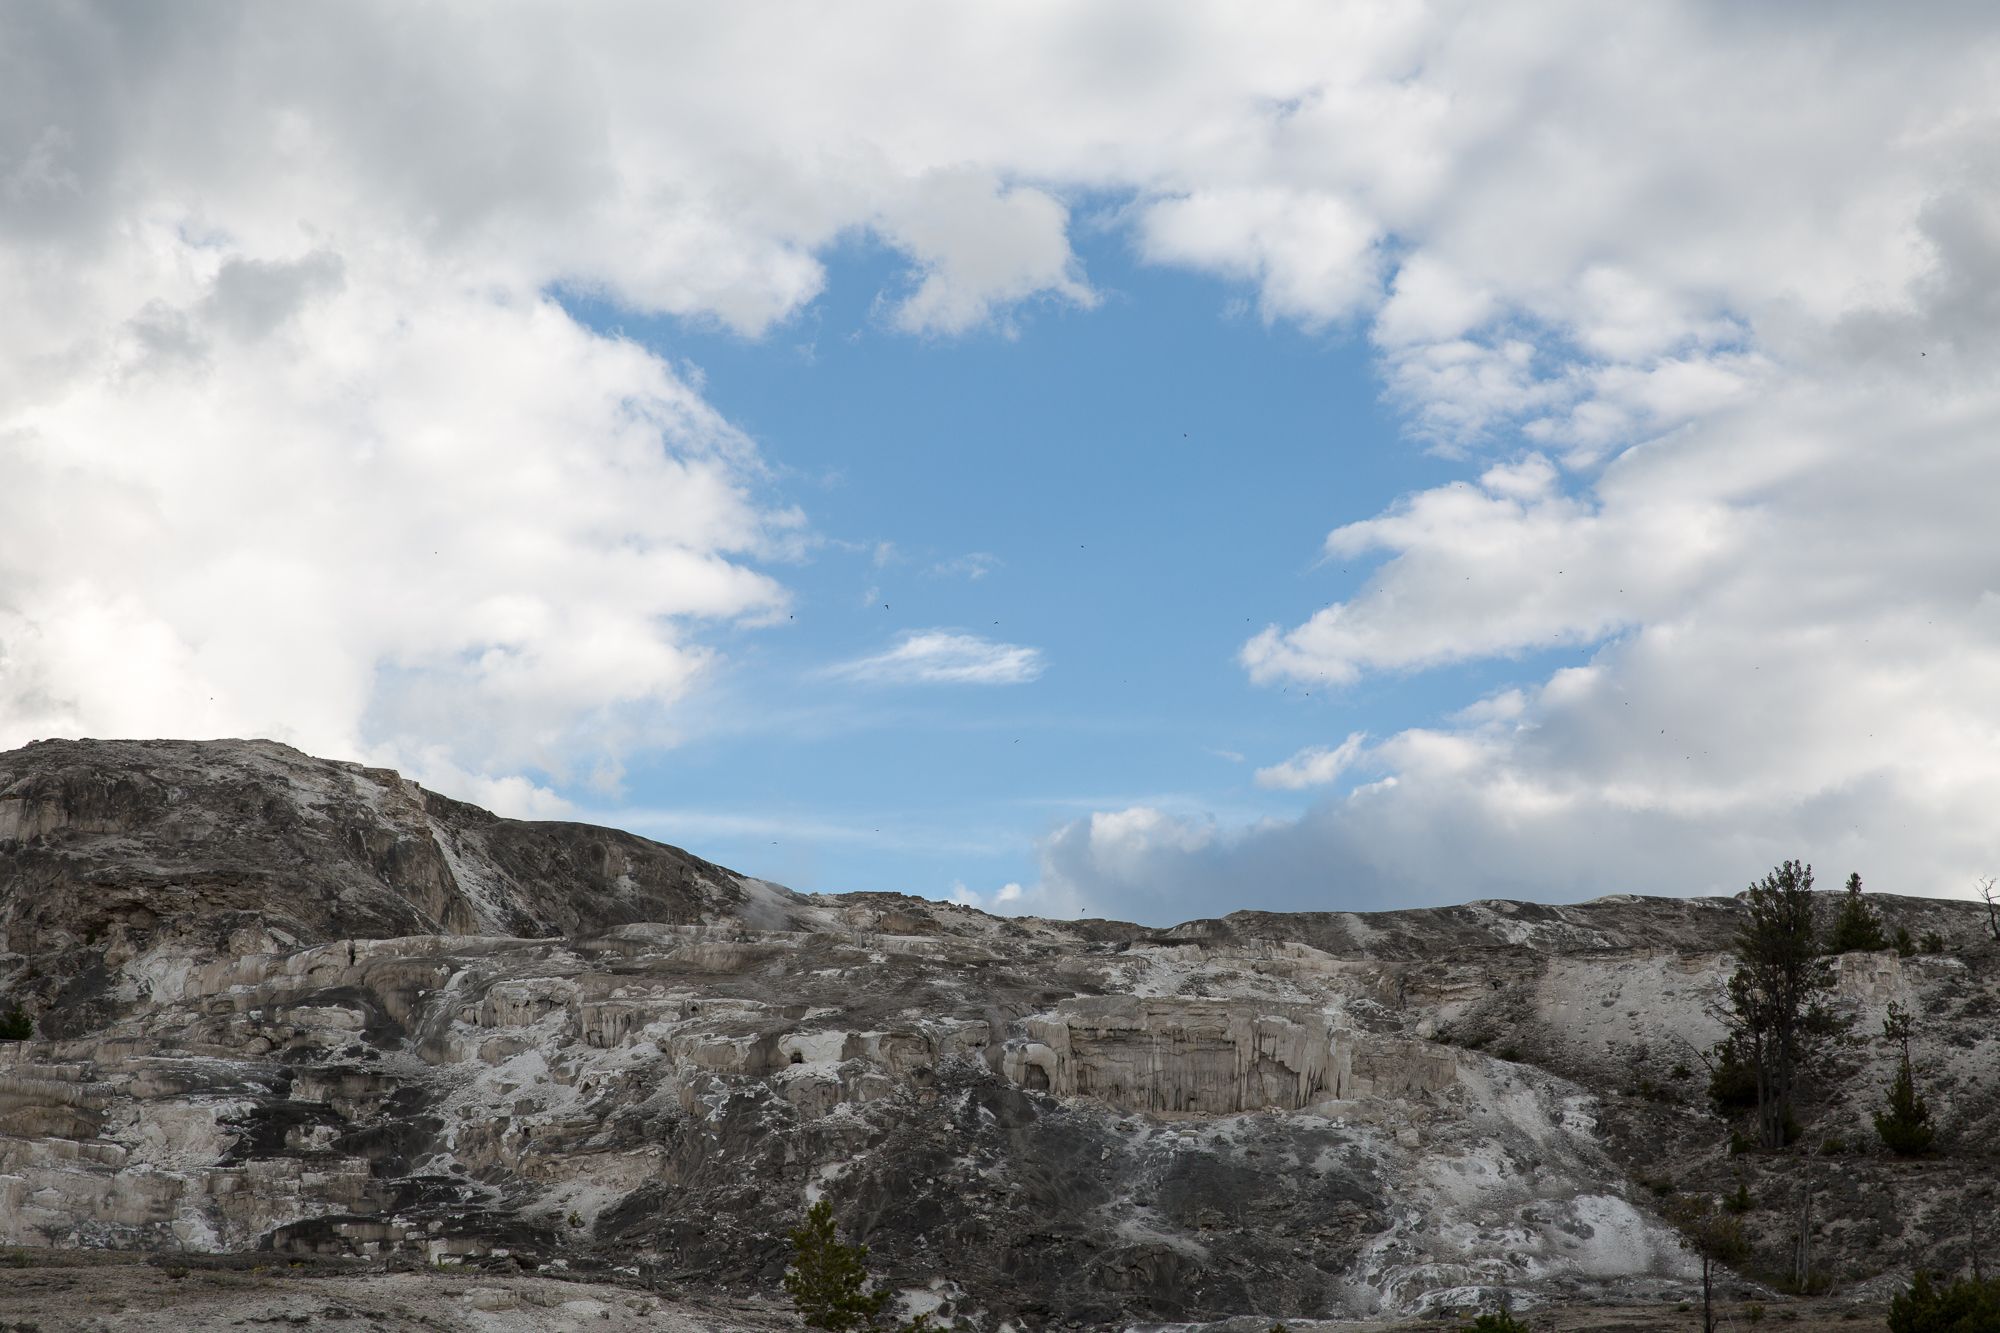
1778 1018
1857 929
828 1281
1906 1126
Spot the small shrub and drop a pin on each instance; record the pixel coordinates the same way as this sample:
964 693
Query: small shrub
1833 1147
1753 1313
1932 942
1680 1071
1501 1322
1740 1202
1511 1054
1905 946
16 1026
574 1220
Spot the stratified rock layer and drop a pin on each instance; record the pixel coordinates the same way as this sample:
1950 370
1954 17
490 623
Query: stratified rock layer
307 1007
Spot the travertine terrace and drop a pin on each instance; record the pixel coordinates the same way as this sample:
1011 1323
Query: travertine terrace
298 1007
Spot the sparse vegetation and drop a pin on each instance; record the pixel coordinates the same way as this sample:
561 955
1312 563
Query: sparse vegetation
1713 1236
1905 946
1858 928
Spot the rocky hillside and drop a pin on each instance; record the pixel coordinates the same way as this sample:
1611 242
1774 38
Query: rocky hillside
306 1007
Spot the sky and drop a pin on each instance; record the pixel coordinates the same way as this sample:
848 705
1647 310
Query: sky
1084 459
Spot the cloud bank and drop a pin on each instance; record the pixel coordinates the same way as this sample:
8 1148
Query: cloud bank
296 442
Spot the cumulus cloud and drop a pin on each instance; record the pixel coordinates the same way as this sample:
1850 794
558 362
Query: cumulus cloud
1745 431
1775 664
1007 898
939 657
346 511
295 441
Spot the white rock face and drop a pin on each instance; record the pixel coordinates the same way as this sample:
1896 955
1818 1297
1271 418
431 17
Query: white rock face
1174 1056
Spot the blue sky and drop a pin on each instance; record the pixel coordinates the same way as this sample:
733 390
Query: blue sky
1162 459
1130 490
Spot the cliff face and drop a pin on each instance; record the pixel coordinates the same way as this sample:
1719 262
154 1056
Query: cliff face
307 1007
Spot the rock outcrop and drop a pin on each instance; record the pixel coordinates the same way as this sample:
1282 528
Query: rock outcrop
303 1007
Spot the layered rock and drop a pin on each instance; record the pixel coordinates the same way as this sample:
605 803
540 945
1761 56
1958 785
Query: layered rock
305 1007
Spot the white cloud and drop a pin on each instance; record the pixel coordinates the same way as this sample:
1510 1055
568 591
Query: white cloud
980 246
1314 766
938 657
358 508
1807 667
292 440
976 565
1009 899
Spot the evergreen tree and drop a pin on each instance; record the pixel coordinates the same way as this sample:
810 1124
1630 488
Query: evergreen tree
1967 1306
828 1281
1778 1017
16 1026
1906 1126
1857 929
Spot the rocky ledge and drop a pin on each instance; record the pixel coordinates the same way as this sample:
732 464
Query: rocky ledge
306 1008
